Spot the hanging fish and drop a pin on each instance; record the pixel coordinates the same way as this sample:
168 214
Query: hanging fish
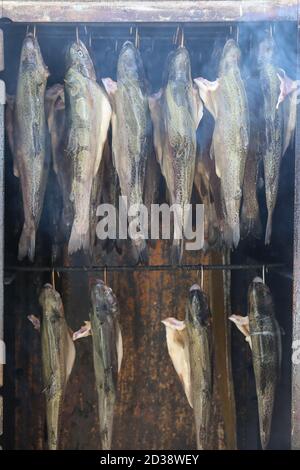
226 100
279 119
131 131
190 348
58 357
108 352
176 111
88 114
28 138
56 117
264 336
250 214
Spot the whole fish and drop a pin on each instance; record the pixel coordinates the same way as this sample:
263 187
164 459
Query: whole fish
277 132
176 111
56 117
263 334
29 140
108 352
190 348
274 127
88 114
265 337
226 100
58 356
131 131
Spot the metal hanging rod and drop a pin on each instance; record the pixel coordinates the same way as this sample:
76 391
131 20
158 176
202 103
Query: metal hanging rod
182 267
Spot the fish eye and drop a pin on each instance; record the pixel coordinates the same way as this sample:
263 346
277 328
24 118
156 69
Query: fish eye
80 53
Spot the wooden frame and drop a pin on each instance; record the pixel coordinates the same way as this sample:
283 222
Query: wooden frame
150 11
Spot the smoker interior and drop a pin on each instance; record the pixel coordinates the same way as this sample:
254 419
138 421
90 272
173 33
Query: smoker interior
152 412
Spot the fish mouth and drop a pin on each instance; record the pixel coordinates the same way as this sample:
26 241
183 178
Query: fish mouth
257 280
195 287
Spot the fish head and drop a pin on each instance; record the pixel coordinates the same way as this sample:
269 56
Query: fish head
230 57
51 303
79 58
179 65
32 59
265 51
130 65
197 311
103 299
260 296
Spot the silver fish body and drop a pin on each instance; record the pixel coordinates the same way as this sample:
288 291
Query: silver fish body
107 352
30 140
266 352
199 332
88 115
58 356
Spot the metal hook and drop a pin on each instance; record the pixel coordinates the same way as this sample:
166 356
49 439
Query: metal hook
77 35
137 38
34 31
230 31
176 35
264 273
237 34
130 31
105 275
182 37
271 30
85 30
27 29
53 279
202 277
90 40
116 45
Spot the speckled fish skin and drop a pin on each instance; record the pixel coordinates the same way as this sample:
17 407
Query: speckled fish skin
231 134
274 126
179 152
88 114
105 331
199 329
30 140
58 356
266 352
132 131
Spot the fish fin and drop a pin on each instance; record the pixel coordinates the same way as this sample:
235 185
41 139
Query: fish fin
35 321
177 343
269 228
9 124
287 86
156 117
207 91
106 113
78 241
176 252
198 106
242 323
85 330
70 354
110 86
27 243
119 345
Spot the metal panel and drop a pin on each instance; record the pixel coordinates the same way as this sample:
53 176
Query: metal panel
150 11
296 282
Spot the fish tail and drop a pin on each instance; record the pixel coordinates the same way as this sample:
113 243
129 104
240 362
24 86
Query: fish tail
176 252
141 252
268 228
251 226
27 242
236 234
78 241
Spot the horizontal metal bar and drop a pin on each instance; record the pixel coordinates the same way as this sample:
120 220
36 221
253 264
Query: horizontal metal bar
182 267
150 11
